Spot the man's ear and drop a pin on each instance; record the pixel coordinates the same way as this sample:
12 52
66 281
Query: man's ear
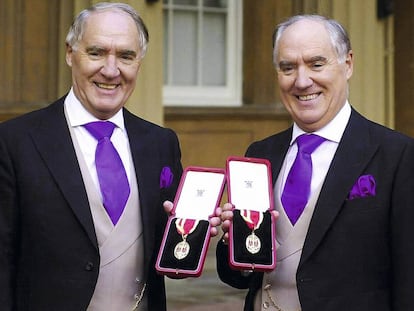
349 61
69 53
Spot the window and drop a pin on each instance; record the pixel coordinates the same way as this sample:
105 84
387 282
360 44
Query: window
202 52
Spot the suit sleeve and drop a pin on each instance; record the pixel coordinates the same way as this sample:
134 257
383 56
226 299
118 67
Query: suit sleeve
231 277
234 278
8 224
402 232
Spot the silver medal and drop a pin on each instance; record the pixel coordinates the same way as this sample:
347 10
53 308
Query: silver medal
181 250
253 244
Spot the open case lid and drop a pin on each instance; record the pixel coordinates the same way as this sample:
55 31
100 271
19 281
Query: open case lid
199 192
252 231
249 183
187 233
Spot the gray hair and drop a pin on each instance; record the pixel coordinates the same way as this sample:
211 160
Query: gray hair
337 33
78 26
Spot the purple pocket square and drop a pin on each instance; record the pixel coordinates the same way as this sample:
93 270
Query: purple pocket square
166 177
364 187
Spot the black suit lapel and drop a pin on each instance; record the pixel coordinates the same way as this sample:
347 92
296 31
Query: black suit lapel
279 154
352 156
53 141
144 154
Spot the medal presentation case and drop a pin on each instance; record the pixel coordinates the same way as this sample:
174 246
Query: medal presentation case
187 233
252 231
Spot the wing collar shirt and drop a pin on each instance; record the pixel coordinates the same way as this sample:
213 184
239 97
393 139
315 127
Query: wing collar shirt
323 155
77 116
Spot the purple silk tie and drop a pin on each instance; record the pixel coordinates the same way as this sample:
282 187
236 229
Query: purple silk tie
297 187
111 172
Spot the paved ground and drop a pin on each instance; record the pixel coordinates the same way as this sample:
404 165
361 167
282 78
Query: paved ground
204 293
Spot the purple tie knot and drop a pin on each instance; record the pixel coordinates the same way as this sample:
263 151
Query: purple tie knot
307 143
100 129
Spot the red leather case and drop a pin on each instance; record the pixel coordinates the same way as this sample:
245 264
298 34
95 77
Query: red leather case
198 195
252 232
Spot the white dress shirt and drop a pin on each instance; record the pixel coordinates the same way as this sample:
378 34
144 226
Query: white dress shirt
323 155
78 116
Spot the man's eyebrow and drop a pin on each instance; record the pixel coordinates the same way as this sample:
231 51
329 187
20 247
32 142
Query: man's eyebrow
128 53
94 48
317 59
285 63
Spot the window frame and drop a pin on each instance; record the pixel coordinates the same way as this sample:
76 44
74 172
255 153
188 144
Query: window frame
230 93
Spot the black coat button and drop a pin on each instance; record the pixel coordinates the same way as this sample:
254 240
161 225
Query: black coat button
89 266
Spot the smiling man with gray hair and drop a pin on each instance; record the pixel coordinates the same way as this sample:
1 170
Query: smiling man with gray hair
83 180
343 189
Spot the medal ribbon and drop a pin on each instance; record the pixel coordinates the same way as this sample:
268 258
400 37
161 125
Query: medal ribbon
185 226
253 219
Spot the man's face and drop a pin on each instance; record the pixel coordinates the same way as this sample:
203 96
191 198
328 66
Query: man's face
313 84
105 62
